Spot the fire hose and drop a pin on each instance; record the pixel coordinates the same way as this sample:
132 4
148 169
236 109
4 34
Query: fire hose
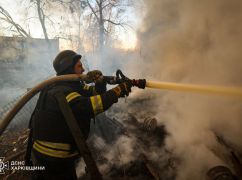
119 78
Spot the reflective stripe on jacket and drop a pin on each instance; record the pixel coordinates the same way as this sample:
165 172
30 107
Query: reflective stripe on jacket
59 150
96 101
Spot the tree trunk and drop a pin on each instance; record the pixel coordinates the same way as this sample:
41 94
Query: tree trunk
79 27
42 20
101 31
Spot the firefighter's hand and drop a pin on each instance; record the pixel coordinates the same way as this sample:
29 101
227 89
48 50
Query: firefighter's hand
100 86
94 76
123 89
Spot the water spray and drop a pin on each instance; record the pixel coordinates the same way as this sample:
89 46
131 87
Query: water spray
202 89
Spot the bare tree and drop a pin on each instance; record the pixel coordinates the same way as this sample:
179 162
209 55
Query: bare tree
40 5
74 8
107 14
7 18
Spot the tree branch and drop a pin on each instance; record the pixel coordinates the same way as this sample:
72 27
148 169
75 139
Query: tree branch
92 10
10 20
98 3
112 22
109 4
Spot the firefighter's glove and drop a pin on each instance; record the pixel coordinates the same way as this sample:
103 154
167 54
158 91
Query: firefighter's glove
94 76
101 86
140 83
123 89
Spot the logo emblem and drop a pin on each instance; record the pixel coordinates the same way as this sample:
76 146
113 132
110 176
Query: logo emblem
3 165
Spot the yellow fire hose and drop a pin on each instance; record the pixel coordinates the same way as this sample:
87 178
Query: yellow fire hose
228 91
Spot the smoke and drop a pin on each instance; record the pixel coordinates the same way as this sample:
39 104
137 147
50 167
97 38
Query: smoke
195 42
180 41
199 38
27 63
122 151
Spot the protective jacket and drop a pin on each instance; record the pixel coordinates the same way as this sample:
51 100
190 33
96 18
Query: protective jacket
51 135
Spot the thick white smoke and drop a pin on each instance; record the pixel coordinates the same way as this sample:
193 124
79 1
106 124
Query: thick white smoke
195 42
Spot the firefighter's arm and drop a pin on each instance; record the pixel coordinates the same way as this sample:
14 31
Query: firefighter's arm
87 90
96 104
92 105
99 88
96 77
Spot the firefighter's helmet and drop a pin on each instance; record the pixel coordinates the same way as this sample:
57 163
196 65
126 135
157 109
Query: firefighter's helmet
64 60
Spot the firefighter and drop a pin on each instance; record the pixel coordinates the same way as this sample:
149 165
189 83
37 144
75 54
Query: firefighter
53 145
